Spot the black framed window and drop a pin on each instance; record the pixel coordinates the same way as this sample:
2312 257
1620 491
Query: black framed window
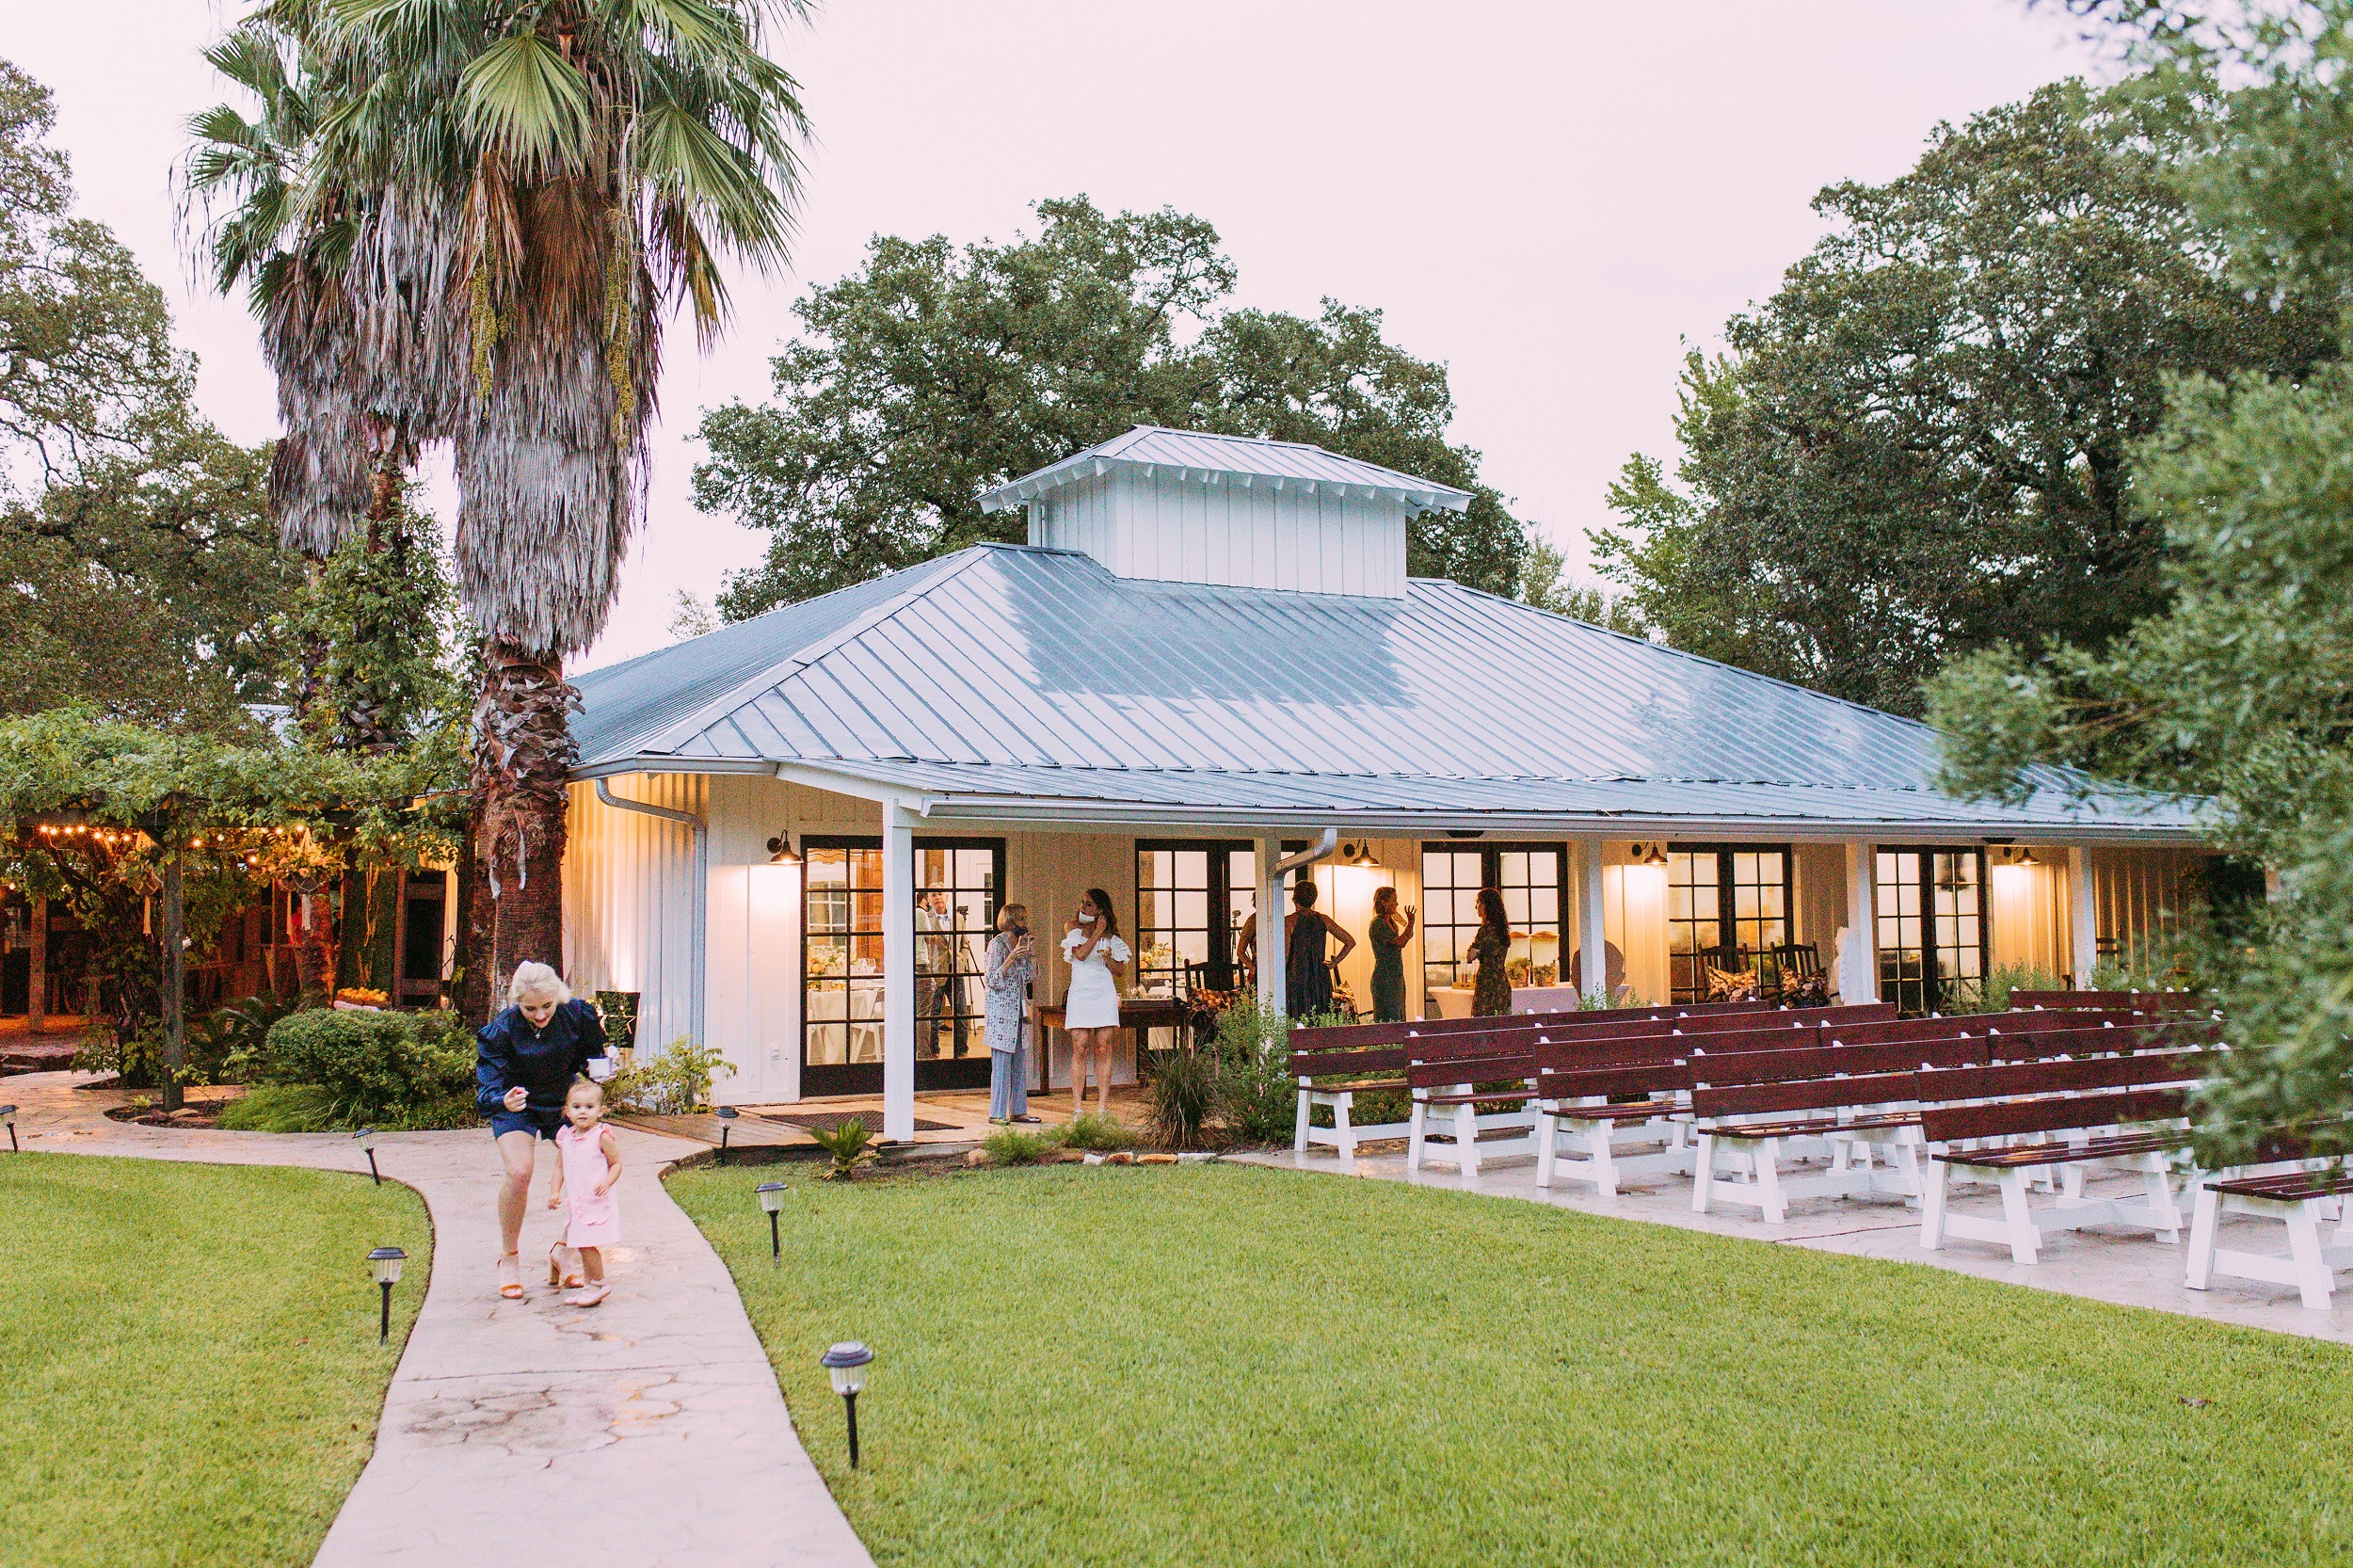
1725 903
1193 899
1931 924
958 883
1534 881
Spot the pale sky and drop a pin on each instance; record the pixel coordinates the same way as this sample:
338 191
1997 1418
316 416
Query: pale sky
1549 196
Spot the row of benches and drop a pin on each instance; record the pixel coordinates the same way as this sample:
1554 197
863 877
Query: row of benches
2025 1101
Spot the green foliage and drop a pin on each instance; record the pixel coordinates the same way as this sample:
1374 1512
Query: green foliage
1008 1146
1991 994
388 1069
1258 1097
282 1108
1545 584
850 1146
1184 1095
672 1082
935 372
1918 447
1098 1134
382 618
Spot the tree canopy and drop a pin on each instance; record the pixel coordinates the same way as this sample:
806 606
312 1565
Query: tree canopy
1920 445
938 372
2242 689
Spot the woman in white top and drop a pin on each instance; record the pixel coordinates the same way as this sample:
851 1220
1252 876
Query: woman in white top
1093 949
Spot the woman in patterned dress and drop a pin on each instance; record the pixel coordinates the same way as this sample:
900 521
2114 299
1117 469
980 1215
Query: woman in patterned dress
1491 950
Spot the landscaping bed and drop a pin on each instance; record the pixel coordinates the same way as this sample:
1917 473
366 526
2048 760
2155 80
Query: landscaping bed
193 1372
1230 1364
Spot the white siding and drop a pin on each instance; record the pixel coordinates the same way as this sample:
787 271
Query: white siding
2136 894
1230 534
628 886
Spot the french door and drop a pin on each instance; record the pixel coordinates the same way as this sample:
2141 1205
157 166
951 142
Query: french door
1534 881
1194 897
1932 925
959 884
1725 902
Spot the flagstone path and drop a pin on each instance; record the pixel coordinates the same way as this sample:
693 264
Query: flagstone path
647 1433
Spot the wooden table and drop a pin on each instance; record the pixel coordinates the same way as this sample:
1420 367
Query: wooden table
1136 1012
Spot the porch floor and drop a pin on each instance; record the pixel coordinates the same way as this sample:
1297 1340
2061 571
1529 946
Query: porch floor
965 1110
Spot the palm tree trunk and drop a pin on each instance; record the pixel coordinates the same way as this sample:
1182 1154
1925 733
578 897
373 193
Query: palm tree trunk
524 749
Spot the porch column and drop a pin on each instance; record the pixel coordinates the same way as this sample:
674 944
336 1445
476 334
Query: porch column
898 972
1859 966
1273 994
1591 923
2083 920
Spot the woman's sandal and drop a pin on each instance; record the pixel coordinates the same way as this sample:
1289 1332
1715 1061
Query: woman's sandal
589 1295
557 1274
510 1276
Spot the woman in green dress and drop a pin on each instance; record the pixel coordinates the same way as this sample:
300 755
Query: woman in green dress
1491 950
1389 934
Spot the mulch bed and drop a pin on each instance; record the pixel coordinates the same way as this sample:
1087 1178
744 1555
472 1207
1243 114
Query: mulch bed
193 1115
826 1121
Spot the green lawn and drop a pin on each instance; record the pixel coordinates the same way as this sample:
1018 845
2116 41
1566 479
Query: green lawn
1235 1366
191 1372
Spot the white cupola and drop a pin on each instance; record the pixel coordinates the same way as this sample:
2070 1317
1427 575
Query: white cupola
1184 508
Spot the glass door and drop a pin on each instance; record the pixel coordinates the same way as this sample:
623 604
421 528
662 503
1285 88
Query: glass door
1725 905
958 887
1534 881
1193 900
1931 926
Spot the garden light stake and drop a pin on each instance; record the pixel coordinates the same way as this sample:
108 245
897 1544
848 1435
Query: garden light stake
365 1137
386 1261
772 1199
846 1364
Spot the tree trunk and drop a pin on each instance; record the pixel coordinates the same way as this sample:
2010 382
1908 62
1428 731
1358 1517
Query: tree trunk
175 986
472 997
524 749
37 994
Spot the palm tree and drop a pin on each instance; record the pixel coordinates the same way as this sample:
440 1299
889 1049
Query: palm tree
494 204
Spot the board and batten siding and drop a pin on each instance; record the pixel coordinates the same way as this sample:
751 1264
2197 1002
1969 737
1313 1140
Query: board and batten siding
628 883
1254 535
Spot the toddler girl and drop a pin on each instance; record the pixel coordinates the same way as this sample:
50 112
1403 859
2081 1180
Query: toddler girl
589 1162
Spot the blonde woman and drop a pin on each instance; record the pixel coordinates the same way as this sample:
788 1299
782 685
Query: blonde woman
525 1061
1012 966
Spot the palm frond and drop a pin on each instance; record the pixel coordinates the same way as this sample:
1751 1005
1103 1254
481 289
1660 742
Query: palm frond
527 103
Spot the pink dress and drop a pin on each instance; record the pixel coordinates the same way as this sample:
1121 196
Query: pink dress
595 1218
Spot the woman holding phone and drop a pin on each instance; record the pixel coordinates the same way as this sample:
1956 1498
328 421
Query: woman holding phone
1097 955
1012 966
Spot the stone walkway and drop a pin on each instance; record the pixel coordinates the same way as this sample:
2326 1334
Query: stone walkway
645 1433
2106 1263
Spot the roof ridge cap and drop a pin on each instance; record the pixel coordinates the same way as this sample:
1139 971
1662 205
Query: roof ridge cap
930 575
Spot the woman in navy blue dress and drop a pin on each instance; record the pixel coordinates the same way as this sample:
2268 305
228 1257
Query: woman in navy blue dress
525 1061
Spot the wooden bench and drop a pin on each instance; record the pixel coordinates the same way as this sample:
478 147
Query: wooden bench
1597 1108
1446 1102
2299 1198
2081 1099
1745 1130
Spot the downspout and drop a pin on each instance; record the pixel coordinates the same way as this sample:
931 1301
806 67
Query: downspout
1320 850
701 910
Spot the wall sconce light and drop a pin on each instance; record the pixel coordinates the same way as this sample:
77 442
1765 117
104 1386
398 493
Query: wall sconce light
1358 854
780 850
1649 855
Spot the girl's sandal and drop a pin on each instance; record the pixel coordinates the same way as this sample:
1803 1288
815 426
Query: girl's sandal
510 1276
557 1274
589 1295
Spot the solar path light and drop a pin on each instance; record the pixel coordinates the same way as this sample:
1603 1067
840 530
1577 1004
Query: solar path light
846 1364
772 1199
726 1114
7 1116
365 1137
386 1261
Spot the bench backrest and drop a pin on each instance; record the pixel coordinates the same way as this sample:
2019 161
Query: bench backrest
2066 1076
1813 1094
1629 1079
1889 1031
1470 1069
1350 1036
2005 1118
1328 1064
2035 1045
1781 1067
2143 1001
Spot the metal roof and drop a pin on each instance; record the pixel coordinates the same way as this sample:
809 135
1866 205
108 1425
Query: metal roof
1010 682
1153 449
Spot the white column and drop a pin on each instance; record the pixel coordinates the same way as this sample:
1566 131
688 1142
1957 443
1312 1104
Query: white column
1273 995
1591 923
1859 959
898 972
2083 921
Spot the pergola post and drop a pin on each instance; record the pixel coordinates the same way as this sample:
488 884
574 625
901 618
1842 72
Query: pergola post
898 972
1591 923
1274 991
2083 920
1858 972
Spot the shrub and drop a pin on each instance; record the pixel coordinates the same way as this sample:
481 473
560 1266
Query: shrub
670 1084
1991 994
1100 1133
1258 1098
1184 1093
280 1108
388 1069
238 1033
1011 1146
851 1146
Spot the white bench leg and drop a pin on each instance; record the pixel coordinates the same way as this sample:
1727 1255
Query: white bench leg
1703 1173
2161 1198
1605 1164
1415 1129
1547 1129
1767 1155
2313 1278
1345 1133
1932 1207
1467 1141
1299 1131
2204 1221
2016 1216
